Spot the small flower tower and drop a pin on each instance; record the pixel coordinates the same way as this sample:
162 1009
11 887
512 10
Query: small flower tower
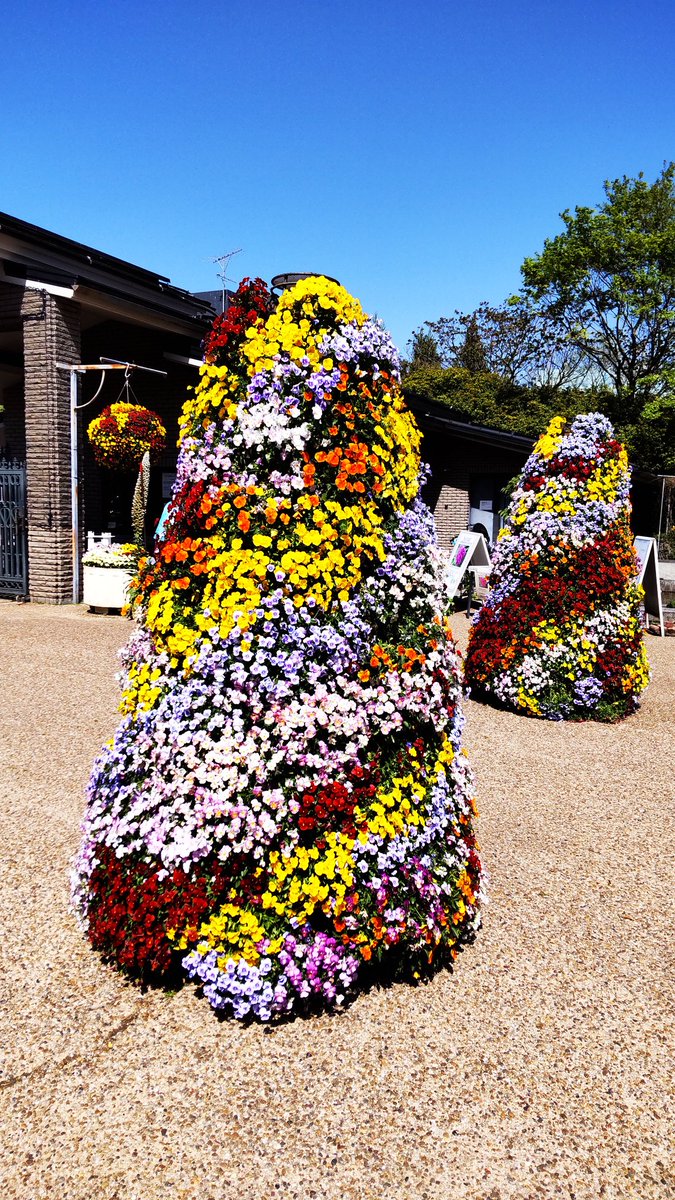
285 806
559 635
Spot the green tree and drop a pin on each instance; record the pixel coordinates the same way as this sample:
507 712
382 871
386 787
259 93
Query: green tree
607 284
650 437
423 352
516 341
472 354
488 399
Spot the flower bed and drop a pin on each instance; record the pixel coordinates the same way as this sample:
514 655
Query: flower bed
560 634
115 556
285 806
107 575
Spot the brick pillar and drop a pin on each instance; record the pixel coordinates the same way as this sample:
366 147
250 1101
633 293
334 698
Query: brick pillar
51 334
452 509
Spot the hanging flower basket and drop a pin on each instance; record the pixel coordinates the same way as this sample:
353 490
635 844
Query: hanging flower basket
123 433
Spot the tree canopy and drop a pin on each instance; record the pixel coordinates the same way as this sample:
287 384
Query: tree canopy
513 340
424 352
607 282
593 328
486 398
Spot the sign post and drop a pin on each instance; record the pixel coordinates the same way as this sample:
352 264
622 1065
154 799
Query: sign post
648 576
469 550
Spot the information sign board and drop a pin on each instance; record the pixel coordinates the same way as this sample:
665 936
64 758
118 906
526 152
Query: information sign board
469 550
648 575
481 582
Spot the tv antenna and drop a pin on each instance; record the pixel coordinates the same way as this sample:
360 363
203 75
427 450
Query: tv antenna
223 261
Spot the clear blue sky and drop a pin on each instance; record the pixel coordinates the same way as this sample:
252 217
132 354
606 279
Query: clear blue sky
415 149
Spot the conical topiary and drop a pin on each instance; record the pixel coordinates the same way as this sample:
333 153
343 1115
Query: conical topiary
559 635
285 804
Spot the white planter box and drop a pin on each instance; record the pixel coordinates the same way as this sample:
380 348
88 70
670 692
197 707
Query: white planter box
106 587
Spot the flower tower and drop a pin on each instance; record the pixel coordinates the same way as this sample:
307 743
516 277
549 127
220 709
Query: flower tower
560 634
285 807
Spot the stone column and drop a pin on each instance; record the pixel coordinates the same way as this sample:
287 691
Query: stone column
51 334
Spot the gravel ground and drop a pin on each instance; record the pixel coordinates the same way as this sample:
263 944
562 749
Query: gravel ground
539 1068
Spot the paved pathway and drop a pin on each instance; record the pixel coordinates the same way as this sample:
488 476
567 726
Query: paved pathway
539 1068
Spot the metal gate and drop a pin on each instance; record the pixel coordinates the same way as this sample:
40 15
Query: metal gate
13 548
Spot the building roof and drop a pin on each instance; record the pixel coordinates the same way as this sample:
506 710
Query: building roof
216 299
32 255
435 417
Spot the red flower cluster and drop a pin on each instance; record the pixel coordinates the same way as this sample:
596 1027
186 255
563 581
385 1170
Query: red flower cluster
445 683
602 569
579 468
131 909
612 662
185 509
555 590
222 342
332 806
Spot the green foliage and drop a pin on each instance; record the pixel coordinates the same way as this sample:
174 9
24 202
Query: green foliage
487 399
471 353
424 352
607 282
513 340
667 554
651 437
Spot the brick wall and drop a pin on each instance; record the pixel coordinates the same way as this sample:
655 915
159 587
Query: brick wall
51 334
451 513
453 462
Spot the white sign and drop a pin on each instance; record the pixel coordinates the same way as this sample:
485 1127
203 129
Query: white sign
469 550
648 576
481 582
